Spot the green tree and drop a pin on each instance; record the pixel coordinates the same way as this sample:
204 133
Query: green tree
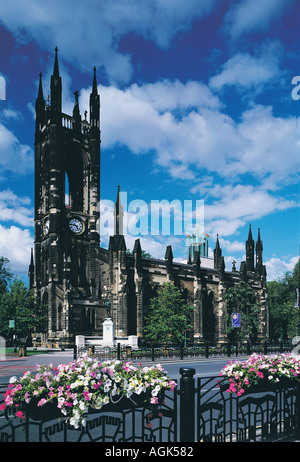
241 299
284 316
169 316
5 275
19 304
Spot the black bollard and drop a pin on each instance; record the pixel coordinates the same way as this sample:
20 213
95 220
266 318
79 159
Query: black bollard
187 404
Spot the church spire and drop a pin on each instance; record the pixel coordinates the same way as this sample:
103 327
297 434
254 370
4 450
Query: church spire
118 215
250 251
94 90
259 253
40 97
31 271
217 252
94 104
55 88
76 116
40 108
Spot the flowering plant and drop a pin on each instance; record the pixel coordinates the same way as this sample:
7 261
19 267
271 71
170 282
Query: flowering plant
82 384
260 369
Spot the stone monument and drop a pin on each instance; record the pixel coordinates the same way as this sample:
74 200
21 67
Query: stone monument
108 327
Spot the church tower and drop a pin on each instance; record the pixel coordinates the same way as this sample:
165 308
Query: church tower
67 192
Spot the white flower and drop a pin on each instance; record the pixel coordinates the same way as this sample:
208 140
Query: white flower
74 422
105 400
82 406
270 377
13 379
106 388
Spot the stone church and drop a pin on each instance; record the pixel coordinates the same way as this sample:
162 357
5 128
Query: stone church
73 276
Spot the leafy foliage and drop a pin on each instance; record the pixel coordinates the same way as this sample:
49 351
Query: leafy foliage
5 275
241 299
169 316
18 304
284 315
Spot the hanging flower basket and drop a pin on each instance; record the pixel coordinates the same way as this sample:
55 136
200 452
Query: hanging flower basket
260 373
48 411
85 386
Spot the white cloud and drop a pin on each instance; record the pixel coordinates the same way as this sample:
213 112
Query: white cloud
246 71
276 268
232 246
271 146
181 134
248 16
14 156
238 205
89 37
15 244
184 138
15 209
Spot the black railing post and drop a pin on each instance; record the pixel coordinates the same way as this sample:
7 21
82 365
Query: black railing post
281 346
297 410
206 350
75 352
248 348
181 351
118 351
228 349
152 352
265 347
187 404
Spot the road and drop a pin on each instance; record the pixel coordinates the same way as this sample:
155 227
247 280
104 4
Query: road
17 366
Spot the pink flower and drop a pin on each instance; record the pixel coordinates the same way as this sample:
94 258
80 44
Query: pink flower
20 414
2 407
87 395
42 402
8 400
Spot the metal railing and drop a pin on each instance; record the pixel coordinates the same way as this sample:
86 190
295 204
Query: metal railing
199 410
153 353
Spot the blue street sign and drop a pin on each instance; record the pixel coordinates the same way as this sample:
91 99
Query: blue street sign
236 320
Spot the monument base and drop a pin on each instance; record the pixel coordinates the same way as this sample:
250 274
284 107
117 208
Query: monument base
108 333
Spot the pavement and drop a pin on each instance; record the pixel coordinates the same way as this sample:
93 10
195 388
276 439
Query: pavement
13 365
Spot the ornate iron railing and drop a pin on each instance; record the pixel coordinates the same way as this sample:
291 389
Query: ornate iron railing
261 415
141 424
165 351
199 410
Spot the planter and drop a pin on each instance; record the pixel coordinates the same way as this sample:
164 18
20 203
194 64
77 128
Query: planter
263 386
50 411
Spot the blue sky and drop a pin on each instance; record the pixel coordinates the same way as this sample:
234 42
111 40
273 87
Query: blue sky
196 104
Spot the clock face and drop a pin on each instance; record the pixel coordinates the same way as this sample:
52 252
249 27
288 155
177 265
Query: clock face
76 225
46 227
